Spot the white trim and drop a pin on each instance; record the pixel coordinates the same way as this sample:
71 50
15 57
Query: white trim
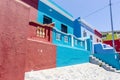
57 9
103 47
86 23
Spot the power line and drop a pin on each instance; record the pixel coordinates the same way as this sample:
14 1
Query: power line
118 2
96 11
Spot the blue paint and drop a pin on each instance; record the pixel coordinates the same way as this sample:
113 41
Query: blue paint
58 18
61 41
79 43
69 56
77 28
89 45
109 59
87 27
102 48
107 55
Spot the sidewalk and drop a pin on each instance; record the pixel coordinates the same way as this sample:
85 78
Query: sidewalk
86 71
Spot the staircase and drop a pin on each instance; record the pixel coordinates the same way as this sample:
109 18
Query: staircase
99 62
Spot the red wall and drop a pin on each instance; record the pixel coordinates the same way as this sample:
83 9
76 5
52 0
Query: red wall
33 8
117 44
98 33
17 53
33 33
14 18
40 56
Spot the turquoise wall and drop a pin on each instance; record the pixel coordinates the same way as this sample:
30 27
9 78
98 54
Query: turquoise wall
62 36
69 56
58 18
110 59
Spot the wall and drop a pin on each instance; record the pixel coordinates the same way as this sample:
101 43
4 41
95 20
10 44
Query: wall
107 55
40 55
37 56
70 56
55 15
111 59
14 16
77 28
97 36
117 44
33 8
103 48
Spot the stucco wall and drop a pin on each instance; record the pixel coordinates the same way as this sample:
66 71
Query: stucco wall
112 59
58 18
70 56
14 17
40 56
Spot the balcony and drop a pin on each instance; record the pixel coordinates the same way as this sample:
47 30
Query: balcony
65 39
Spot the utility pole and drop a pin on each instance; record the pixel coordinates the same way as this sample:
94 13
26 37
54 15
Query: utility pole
112 24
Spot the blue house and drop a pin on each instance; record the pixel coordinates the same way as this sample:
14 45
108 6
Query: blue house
71 49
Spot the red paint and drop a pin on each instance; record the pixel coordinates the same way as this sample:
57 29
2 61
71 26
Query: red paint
17 54
33 8
40 56
98 33
33 33
117 44
14 18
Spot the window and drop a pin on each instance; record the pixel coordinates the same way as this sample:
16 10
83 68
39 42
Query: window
97 40
81 43
76 42
40 32
84 34
47 20
58 36
63 28
91 37
66 38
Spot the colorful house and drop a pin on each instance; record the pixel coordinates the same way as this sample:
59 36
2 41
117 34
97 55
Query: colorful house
68 45
107 39
84 30
40 35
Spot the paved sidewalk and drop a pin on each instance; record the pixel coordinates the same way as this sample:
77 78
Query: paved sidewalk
86 71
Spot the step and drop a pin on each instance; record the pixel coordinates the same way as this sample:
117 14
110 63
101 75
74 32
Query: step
103 64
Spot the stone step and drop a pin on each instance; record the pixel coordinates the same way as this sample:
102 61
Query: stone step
101 63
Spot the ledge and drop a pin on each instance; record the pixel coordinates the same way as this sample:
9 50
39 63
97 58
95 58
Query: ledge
51 25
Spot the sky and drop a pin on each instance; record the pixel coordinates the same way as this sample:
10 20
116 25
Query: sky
100 19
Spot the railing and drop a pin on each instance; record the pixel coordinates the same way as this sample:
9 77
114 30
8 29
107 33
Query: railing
60 38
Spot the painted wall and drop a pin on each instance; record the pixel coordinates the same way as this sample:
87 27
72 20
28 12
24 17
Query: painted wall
112 59
40 55
77 28
117 44
70 56
107 54
103 48
14 17
58 18
97 36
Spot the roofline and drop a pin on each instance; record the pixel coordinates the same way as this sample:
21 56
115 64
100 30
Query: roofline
58 9
87 24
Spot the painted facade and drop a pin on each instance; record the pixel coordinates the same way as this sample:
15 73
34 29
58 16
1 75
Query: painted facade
107 39
46 32
83 29
107 54
97 37
40 35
